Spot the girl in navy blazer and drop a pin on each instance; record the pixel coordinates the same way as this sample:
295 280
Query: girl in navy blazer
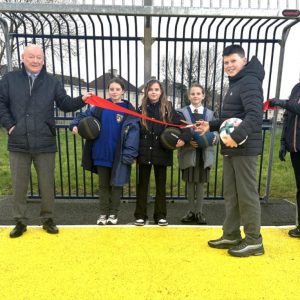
111 154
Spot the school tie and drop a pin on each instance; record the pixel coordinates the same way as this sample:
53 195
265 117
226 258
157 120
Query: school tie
195 111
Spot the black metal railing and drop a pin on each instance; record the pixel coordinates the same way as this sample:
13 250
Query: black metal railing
84 50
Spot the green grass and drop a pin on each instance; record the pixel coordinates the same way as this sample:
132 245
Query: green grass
70 176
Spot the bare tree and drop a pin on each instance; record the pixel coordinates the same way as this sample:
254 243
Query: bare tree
204 67
39 28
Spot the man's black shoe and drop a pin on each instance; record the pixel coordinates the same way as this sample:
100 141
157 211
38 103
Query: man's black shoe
50 227
295 232
188 218
19 229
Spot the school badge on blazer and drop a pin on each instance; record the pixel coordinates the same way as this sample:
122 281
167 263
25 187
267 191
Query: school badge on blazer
119 118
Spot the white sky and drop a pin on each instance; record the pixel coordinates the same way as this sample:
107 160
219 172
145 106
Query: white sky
291 66
291 69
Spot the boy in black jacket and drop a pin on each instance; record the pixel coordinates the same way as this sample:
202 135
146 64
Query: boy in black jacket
240 150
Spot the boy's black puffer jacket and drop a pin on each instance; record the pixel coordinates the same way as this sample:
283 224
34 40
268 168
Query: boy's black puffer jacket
244 100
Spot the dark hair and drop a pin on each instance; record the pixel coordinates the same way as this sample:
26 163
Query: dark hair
195 84
234 49
165 107
118 81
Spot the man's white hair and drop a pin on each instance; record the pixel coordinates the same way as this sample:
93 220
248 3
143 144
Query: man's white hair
31 46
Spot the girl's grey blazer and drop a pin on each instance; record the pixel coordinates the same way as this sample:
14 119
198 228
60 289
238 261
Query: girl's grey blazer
187 154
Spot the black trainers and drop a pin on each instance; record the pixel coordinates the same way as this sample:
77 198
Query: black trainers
295 232
19 229
200 218
222 243
189 217
244 250
49 226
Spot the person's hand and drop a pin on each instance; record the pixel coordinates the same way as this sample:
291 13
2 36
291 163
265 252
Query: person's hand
75 130
229 142
282 152
10 130
277 102
194 144
87 95
202 127
180 143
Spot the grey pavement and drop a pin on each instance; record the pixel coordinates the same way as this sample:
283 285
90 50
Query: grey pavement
86 211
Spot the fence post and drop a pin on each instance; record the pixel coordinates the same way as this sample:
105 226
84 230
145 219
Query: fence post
147 44
7 44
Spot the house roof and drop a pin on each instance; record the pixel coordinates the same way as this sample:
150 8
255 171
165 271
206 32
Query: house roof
170 88
75 81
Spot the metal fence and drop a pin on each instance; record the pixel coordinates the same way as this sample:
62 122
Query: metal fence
177 42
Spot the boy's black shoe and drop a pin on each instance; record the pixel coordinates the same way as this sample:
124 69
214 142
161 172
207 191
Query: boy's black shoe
188 218
200 219
244 250
295 232
19 229
222 243
49 226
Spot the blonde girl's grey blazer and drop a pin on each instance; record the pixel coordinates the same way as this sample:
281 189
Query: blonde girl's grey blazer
187 154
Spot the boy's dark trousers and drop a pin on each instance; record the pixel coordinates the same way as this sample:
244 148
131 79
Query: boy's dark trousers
160 209
241 199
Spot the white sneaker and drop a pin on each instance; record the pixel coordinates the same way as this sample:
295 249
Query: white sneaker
139 222
112 220
162 222
102 220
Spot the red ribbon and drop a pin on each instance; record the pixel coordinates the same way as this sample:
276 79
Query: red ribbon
106 104
103 103
266 105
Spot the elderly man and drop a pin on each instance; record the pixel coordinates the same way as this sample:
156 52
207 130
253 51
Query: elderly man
27 100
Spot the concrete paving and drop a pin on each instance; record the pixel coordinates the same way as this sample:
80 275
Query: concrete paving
86 211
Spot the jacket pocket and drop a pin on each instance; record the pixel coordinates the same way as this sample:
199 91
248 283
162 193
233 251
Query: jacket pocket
51 127
19 129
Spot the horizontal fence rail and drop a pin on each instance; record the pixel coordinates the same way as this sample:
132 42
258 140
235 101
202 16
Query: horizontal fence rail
259 8
218 4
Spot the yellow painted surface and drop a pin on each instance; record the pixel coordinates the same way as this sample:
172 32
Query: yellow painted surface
144 263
